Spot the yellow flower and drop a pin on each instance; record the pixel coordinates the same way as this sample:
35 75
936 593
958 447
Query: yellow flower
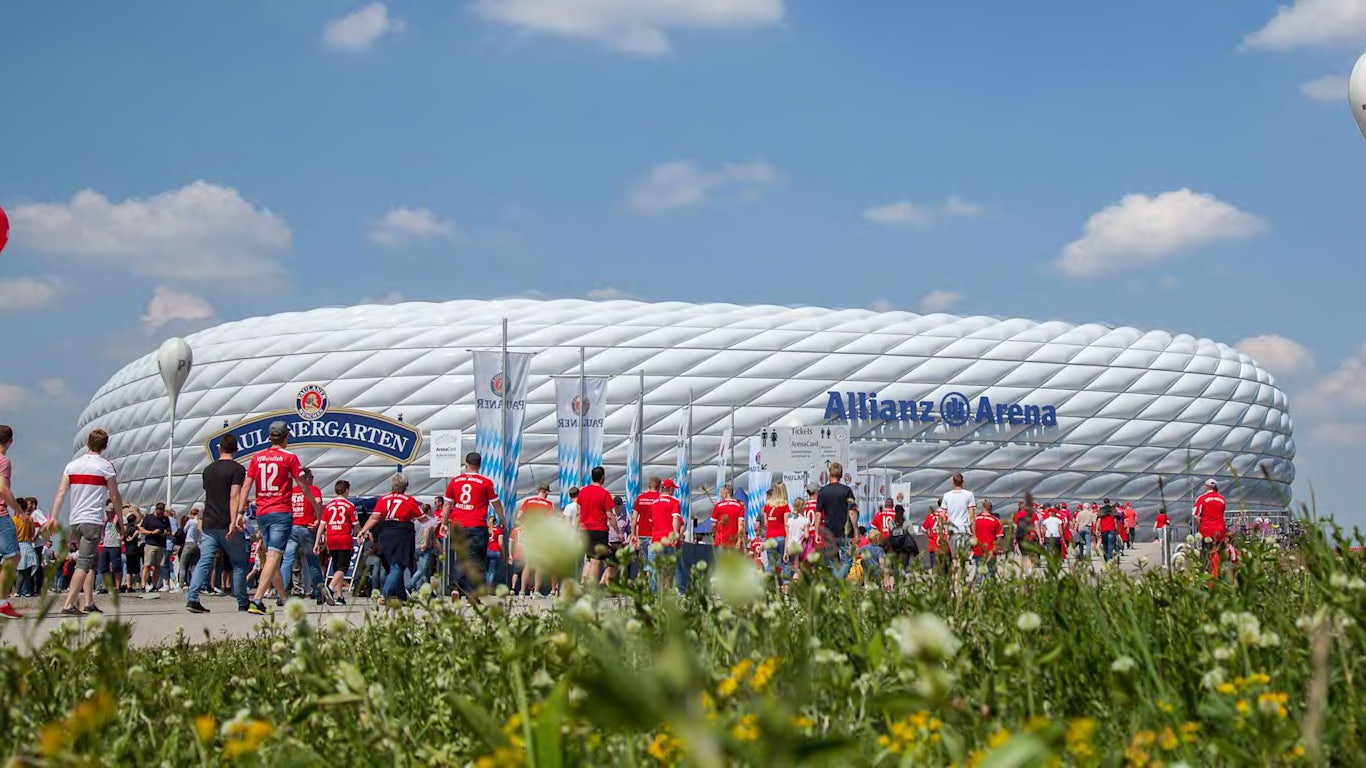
1271 704
1168 740
86 717
727 687
246 736
998 738
664 747
204 727
1080 731
747 729
503 757
763 674
803 722
1243 707
1228 689
1163 706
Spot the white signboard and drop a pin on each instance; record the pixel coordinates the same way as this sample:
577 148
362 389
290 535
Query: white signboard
447 454
806 450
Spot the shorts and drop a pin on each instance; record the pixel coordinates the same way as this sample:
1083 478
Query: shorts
153 556
340 561
88 536
276 528
597 545
111 561
9 538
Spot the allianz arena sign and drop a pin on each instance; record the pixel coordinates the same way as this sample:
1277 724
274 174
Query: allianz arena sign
954 410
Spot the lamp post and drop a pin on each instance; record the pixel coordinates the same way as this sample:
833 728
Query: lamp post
174 359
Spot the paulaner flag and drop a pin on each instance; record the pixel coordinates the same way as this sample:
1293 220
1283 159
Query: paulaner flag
501 451
760 480
577 460
682 475
723 461
633 456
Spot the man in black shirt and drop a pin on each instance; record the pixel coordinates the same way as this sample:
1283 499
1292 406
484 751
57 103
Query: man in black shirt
155 529
832 504
223 481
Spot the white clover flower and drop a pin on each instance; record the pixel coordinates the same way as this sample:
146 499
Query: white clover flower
656 549
1123 665
1338 581
633 626
794 547
176 691
582 609
376 692
424 592
1356 584
542 679
560 639
93 621
1214 678
296 610
701 566
1306 622
500 591
923 636
736 581
865 606
374 594
813 642
68 627
824 656
1210 629
1347 622
1029 621
1012 650
813 558
577 695
337 625
551 545
136 670
725 616
1270 640
1222 654
1143 562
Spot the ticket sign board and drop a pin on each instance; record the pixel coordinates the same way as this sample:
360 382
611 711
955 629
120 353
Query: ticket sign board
447 459
806 450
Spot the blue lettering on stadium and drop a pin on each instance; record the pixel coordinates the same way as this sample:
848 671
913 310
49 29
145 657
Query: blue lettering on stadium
338 428
953 409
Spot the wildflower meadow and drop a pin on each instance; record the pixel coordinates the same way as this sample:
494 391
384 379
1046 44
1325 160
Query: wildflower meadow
1258 667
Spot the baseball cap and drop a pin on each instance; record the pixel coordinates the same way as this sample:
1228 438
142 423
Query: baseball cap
279 429
1210 483
669 483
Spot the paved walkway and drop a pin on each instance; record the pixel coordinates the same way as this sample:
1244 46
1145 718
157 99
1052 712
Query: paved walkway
161 619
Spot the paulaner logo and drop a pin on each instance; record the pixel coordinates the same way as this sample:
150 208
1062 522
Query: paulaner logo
955 410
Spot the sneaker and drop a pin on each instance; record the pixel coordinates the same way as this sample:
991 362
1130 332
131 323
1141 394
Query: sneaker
8 612
279 602
321 601
241 609
92 608
195 607
164 589
341 600
257 608
72 611
150 588
329 595
174 588
101 591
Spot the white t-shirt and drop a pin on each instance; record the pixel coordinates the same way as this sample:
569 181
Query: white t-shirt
194 534
88 490
1052 527
571 513
112 538
797 526
960 505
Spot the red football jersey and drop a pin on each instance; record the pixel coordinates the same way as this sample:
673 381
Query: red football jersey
595 503
884 521
987 528
644 503
663 514
775 521
398 507
470 496
303 513
273 471
1209 508
339 520
725 518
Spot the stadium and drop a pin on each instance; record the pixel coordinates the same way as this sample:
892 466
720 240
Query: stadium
1069 412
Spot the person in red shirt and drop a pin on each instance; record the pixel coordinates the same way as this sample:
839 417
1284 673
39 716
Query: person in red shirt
1210 511
469 497
494 555
725 518
271 475
395 537
885 519
1108 525
987 529
666 527
301 538
936 525
337 536
642 530
540 504
596 516
775 514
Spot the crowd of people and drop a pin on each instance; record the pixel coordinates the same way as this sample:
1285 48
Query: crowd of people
265 533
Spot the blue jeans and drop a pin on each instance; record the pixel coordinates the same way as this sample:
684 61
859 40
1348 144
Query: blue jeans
845 561
393 583
426 563
236 547
301 540
275 530
1108 541
491 568
775 557
654 572
9 538
1084 542
991 568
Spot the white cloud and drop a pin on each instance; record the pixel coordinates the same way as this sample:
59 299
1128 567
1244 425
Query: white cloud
1282 356
171 306
389 297
12 396
24 294
358 32
1345 386
881 305
905 213
607 294
55 389
1142 230
1328 88
403 226
683 184
1312 23
200 233
637 27
939 301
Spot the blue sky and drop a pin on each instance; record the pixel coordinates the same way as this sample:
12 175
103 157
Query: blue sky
1186 166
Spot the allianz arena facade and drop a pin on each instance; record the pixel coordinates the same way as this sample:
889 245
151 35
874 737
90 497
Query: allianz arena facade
1128 406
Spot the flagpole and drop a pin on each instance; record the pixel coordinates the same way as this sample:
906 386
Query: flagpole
503 435
687 446
730 460
640 436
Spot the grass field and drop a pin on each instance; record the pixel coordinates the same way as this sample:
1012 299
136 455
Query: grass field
1258 668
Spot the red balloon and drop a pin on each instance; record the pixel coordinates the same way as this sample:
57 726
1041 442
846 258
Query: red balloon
4 229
